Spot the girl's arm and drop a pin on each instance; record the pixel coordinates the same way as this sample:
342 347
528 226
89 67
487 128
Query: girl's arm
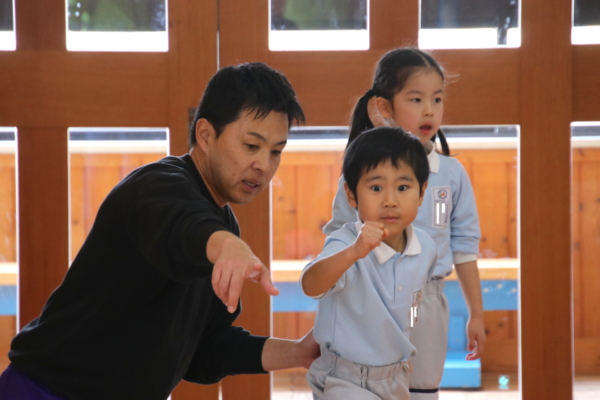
468 276
323 274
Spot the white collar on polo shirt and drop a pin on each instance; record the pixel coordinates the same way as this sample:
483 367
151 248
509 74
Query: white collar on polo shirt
383 252
432 156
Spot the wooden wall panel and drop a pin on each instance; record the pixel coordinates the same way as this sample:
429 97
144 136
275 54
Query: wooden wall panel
285 207
314 209
8 329
8 210
43 189
589 203
546 363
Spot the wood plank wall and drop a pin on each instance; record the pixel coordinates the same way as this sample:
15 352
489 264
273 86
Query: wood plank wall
303 190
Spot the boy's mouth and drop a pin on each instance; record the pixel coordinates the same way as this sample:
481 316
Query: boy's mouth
425 127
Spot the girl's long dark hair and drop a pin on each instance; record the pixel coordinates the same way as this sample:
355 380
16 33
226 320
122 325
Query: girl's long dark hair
391 74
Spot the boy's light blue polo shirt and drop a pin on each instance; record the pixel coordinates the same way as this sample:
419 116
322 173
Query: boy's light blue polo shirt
448 213
365 317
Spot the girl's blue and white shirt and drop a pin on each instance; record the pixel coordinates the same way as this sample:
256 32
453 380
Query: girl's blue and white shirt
448 213
366 316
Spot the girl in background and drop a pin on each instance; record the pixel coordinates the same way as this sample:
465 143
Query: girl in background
408 91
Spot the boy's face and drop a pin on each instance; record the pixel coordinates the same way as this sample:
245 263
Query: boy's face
388 194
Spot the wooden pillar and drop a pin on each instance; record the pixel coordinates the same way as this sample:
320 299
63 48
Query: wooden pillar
42 173
243 38
43 216
546 342
192 60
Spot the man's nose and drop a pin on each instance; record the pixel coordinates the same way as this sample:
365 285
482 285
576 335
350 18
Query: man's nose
262 162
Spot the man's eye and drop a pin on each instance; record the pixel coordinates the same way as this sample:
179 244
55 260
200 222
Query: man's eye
376 188
252 147
276 153
402 188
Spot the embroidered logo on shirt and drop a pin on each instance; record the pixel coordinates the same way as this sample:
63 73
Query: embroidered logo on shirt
442 202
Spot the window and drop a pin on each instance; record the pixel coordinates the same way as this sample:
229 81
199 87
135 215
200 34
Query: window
8 40
100 158
586 22
117 25
455 24
319 25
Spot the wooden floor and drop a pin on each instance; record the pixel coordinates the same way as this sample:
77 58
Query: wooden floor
292 386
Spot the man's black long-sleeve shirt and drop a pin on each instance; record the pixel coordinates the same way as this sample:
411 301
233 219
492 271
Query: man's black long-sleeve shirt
136 312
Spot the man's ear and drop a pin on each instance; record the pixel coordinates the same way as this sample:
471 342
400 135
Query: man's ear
205 132
422 196
384 107
350 196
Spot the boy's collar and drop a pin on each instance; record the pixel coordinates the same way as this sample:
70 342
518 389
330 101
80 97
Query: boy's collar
432 156
383 252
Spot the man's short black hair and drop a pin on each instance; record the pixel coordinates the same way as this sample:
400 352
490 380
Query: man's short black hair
251 87
379 145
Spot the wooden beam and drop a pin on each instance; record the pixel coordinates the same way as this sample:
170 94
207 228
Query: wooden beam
43 216
55 89
546 318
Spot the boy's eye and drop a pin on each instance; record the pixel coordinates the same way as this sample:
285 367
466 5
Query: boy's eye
402 188
376 188
416 100
438 100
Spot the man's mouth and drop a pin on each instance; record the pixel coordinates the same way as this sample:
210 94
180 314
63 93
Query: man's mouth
252 184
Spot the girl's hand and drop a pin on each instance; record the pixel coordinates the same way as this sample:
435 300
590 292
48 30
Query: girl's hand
374 115
370 236
476 337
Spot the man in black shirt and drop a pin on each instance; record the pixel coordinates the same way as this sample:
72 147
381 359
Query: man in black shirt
153 293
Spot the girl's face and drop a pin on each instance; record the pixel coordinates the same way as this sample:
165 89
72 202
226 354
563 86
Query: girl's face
419 106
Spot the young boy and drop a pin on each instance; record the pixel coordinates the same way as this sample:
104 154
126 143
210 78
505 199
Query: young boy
370 276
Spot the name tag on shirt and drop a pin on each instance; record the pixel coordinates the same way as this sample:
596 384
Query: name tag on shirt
442 203
417 296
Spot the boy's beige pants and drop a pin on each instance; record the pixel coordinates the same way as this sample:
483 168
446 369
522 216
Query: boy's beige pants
333 378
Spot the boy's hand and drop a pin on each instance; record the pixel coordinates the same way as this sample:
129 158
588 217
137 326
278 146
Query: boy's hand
370 236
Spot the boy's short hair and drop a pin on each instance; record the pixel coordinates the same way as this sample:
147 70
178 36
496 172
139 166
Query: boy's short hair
382 144
252 87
